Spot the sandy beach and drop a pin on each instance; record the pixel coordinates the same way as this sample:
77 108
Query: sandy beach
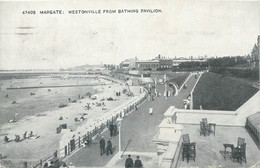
44 99
44 124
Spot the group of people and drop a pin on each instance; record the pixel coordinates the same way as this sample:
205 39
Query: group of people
108 150
87 141
30 135
18 138
113 129
88 94
61 164
118 93
130 164
103 148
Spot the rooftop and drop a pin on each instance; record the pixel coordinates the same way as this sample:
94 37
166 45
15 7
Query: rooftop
255 120
210 149
144 61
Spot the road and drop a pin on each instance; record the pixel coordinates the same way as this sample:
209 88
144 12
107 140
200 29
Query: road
137 130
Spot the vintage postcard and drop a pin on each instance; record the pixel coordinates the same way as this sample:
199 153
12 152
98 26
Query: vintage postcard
152 84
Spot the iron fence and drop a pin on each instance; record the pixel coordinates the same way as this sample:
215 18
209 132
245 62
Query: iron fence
74 144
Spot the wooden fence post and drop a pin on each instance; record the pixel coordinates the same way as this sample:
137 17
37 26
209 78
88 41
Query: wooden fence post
68 148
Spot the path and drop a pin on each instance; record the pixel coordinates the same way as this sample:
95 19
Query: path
137 131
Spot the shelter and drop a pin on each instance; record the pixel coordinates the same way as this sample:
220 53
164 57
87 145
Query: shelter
253 124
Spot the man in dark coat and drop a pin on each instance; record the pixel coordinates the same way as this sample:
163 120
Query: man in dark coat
115 130
109 147
129 162
138 163
102 145
111 128
6 139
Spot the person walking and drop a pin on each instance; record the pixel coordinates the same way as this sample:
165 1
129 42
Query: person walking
109 147
111 129
115 130
102 145
129 162
138 163
151 111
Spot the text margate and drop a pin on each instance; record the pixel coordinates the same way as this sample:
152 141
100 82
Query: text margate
59 12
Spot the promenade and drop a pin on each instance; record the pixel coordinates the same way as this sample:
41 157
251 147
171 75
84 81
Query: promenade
137 132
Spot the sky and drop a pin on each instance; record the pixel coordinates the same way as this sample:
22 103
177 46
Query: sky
182 29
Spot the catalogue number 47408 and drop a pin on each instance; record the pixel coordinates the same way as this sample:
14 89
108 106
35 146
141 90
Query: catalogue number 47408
29 12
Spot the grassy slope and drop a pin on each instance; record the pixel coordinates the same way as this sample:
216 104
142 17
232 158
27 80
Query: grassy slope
180 79
215 92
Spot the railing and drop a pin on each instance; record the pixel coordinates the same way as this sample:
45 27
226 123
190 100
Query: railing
191 93
74 144
178 87
179 80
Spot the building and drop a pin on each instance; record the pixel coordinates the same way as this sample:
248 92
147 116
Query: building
154 64
177 62
147 65
255 54
165 63
128 63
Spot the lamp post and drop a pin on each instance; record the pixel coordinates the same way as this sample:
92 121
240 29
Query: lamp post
119 120
165 90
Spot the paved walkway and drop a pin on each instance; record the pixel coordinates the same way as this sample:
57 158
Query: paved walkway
137 131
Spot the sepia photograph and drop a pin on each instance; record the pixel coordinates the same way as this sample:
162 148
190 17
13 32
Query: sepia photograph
129 84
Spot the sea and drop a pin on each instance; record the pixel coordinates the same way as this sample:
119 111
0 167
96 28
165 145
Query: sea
30 94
